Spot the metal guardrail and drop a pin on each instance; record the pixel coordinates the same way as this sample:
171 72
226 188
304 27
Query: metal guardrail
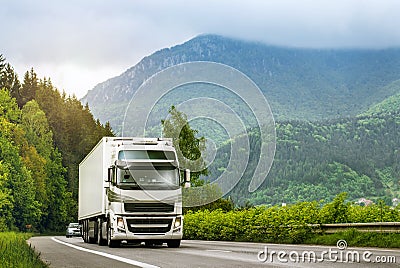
330 228
374 227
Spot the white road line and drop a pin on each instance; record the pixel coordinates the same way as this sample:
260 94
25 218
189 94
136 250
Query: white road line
219 250
107 255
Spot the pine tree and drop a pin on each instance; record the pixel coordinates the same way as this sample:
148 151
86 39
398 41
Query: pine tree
9 80
2 66
29 88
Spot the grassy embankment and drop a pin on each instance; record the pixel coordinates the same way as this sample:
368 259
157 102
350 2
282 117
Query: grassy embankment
355 238
15 251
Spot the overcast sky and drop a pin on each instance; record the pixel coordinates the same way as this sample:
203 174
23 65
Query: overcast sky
79 43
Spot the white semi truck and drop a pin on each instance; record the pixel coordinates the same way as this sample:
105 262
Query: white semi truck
129 191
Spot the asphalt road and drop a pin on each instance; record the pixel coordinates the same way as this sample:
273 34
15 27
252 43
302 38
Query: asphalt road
73 252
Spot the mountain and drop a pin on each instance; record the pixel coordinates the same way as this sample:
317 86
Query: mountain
305 84
337 114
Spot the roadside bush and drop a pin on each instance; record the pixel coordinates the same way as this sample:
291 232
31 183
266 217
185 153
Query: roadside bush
295 223
284 224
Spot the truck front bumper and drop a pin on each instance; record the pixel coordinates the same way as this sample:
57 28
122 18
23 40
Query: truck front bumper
148 228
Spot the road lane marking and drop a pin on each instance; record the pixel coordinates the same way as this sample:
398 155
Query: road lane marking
107 255
219 250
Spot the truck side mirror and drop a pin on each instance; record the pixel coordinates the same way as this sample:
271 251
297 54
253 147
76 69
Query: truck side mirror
186 178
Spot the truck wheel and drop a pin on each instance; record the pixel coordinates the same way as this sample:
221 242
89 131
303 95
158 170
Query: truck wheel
100 240
87 231
174 243
92 240
84 232
111 243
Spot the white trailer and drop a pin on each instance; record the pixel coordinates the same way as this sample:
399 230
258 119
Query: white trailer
129 191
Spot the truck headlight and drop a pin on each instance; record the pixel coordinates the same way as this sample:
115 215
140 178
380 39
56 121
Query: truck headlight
178 222
120 223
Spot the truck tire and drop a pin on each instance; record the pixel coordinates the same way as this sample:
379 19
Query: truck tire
174 243
111 243
92 240
85 232
100 240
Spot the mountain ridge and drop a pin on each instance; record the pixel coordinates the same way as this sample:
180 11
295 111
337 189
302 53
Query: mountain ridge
299 83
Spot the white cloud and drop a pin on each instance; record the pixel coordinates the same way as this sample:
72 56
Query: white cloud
81 43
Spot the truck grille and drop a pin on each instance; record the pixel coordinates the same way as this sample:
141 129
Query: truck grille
148 207
149 226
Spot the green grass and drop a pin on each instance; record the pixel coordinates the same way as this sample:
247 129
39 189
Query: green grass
15 251
355 238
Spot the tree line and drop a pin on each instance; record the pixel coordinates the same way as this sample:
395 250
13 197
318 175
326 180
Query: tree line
44 134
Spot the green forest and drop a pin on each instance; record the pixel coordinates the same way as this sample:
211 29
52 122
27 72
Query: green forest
318 160
44 135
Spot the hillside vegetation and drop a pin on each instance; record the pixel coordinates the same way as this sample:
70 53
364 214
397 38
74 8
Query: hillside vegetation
318 160
388 105
44 135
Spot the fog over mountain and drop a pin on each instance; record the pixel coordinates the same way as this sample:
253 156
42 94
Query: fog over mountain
306 84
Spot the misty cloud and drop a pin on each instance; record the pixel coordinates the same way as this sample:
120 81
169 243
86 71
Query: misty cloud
111 36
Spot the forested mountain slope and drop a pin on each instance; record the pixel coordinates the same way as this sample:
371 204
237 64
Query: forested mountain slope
317 160
307 84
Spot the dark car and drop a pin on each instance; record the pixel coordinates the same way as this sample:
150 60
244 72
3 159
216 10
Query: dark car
73 229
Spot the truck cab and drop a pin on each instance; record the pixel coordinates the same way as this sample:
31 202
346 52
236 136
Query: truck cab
140 197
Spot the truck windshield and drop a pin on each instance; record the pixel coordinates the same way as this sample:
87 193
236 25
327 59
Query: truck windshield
148 177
